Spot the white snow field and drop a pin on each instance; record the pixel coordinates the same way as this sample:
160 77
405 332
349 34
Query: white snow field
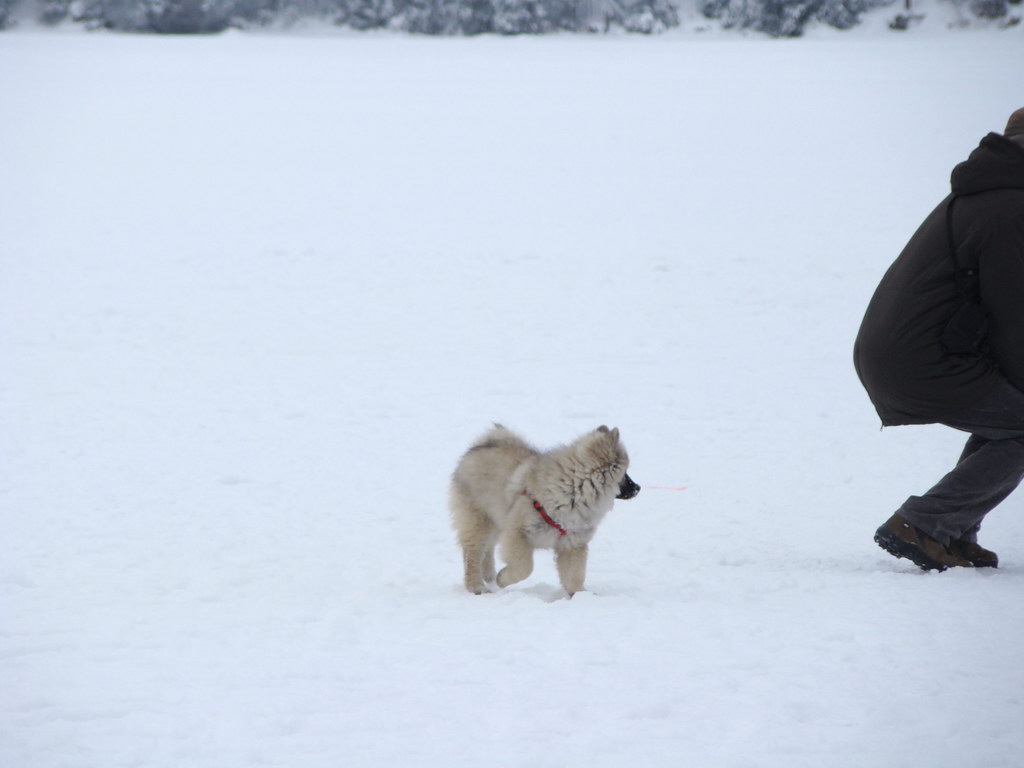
259 292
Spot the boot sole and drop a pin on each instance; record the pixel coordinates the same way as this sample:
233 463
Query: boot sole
897 547
983 563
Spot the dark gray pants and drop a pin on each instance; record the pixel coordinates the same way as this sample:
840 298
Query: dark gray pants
990 467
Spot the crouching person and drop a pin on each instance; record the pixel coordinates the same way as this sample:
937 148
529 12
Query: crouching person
942 342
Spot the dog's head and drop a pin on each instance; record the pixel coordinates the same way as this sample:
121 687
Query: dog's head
610 451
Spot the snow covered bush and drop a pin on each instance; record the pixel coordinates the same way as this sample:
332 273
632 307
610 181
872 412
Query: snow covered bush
787 18
517 17
777 18
644 16
187 16
989 9
442 17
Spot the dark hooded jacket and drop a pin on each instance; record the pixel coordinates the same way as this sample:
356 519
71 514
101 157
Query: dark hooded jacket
909 374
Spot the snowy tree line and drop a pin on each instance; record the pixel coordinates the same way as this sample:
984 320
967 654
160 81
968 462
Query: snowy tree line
778 18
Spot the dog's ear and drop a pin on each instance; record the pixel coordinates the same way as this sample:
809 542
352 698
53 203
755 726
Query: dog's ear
602 428
615 434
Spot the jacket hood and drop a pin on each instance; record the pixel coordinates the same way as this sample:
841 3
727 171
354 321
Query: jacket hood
998 162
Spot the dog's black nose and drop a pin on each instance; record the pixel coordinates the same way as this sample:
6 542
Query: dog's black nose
627 488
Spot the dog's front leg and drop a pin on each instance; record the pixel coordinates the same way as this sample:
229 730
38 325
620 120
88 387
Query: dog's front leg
518 556
572 568
487 566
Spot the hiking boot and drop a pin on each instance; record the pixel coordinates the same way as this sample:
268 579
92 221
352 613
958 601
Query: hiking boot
900 539
977 554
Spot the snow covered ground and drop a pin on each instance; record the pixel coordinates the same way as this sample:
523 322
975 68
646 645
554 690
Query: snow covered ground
257 293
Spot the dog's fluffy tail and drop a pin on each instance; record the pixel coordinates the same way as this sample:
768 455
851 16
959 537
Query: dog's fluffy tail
504 442
495 436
